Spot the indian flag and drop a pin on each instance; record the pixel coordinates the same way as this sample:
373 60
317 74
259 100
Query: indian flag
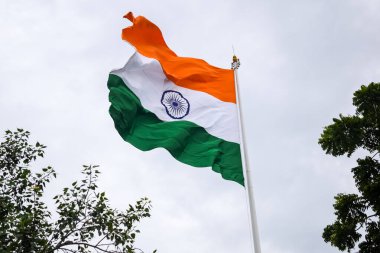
182 104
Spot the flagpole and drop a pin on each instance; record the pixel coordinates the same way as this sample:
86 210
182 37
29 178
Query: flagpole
245 161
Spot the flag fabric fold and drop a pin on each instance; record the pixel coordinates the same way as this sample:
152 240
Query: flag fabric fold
182 104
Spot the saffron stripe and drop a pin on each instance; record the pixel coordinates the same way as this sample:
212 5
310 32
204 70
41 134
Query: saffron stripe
187 72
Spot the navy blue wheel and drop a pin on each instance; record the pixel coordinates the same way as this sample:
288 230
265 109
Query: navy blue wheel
176 106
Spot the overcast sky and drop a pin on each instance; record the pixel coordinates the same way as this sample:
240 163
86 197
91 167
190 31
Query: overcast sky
301 62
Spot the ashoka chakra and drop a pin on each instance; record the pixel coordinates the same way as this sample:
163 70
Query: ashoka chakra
175 104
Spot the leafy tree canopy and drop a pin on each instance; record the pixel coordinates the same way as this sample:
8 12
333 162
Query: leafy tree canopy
357 214
85 222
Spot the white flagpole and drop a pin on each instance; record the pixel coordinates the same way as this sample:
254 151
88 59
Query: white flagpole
245 162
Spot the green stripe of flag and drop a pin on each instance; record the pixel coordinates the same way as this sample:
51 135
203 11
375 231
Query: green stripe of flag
186 141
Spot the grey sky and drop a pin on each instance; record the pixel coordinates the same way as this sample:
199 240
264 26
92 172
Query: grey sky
301 62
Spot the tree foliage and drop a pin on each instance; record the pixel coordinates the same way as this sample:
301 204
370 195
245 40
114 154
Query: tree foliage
357 214
85 222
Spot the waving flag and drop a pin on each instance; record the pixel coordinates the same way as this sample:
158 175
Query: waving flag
182 104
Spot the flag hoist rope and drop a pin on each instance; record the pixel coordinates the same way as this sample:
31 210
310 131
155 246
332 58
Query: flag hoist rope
245 161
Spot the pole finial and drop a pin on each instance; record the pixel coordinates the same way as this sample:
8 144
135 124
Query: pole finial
235 62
